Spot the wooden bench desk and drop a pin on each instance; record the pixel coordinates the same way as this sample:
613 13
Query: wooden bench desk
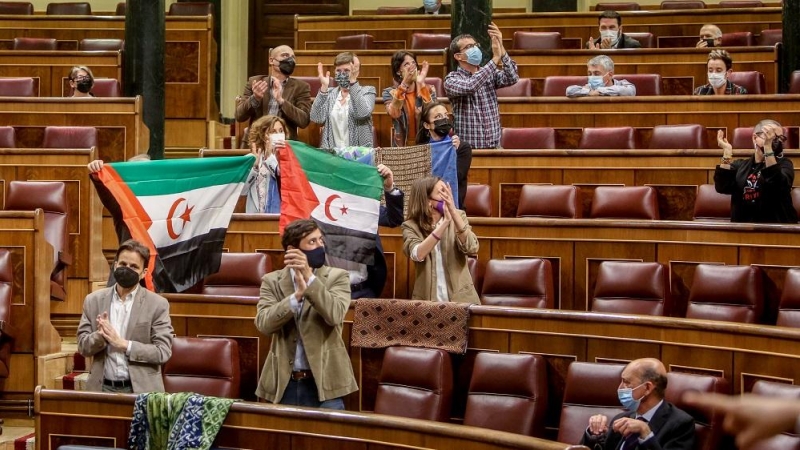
51 69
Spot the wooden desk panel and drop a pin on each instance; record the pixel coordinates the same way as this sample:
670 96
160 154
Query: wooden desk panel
52 68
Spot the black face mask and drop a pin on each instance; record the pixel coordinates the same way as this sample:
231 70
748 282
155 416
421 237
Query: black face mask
84 85
316 257
286 66
126 277
442 127
777 147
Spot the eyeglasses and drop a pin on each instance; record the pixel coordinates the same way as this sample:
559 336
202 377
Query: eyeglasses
80 78
779 137
469 46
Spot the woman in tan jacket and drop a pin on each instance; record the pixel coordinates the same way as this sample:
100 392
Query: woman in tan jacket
438 238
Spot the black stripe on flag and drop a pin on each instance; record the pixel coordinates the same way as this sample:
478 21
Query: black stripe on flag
187 263
349 244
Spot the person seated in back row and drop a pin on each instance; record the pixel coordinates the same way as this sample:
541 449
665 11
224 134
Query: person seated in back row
611 36
433 7
719 67
601 81
710 36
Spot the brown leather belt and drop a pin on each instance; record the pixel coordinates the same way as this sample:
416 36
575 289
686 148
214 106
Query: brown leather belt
117 383
302 375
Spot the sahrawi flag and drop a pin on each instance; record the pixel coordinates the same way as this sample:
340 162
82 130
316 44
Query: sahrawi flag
342 196
178 208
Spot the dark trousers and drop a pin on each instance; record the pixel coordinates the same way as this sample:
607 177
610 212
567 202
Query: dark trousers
304 393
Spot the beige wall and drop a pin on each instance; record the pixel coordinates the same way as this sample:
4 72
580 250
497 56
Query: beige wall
233 54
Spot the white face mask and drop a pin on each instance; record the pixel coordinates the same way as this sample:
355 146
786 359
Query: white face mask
277 138
716 79
609 34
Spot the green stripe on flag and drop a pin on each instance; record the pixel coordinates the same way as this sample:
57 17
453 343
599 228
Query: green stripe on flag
337 173
205 172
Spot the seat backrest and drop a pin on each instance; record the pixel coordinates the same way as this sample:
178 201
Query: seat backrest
26 43
6 297
8 137
19 87
106 87
191 9
742 137
632 287
537 40
738 39
556 86
546 200
521 282
770 37
590 389
207 366
789 307
608 138
521 88
239 274
647 84
728 293
313 84
648 40
751 80
69 9
476 271
683 4
16 8
617 6
796 199
783 441
708 426
437 84
534 138
416 383
70 137
430 41
740 4
679 137
710 205
395 10
355 42
624 202
478 201
508 392
121 7
101 44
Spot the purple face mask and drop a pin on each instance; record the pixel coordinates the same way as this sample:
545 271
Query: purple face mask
440 206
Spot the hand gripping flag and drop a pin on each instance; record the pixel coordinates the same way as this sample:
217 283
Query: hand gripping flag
342 196
179 208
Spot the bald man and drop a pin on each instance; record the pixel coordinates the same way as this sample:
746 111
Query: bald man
650 422
710 36
277 94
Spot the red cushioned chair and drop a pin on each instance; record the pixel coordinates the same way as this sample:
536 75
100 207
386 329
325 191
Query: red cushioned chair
395 10
738 39
523 138
106 87
90 45
624 202
19 87
727 293
647 84
478 201
710 205
8 137
770 37
646 39
521 88
617 138
50 196
476 271
707 425
70 137
429 41
678 137
355 42
548 201
120 11
683 4
24 43
191 9
556 86
590 389
416 383
239 274
796 200
632 287
69 9
520 282
436 82
6 296
537 40
313 84
783 441
752 80
789 307
794 82
742 138
741 4
508 392
207 366
620 6
16 8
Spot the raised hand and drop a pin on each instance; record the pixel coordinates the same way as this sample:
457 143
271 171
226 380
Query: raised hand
410 76
95 166
591 44
324 77
388 176
259 88
277 90
423 73
598 424
723 143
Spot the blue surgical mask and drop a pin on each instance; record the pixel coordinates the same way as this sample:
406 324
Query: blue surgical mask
626 398
474 56
430 5
343 80
596 81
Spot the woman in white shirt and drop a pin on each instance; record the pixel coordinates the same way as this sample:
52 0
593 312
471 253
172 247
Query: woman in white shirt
267 135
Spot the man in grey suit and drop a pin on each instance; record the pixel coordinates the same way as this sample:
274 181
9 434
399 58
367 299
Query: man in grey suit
126 329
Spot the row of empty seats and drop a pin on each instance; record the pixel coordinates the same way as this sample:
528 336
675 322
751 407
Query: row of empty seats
614 6
55 137
85 9
51 44
29 87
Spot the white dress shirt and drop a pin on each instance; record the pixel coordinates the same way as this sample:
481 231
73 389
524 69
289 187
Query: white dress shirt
116 365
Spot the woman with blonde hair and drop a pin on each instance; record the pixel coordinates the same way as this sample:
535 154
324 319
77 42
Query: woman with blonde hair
438 238
267 135
81 81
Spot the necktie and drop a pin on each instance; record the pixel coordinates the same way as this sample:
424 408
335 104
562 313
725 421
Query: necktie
632 440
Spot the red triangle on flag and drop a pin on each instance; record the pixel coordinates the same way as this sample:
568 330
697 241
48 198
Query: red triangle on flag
298 199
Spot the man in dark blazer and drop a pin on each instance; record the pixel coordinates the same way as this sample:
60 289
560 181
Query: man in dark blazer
126 329
277 93
433 7
650 423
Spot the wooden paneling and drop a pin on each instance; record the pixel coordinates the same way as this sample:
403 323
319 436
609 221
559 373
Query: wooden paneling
52 68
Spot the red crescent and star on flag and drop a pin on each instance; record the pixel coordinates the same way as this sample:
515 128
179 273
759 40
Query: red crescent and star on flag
185 217
328 201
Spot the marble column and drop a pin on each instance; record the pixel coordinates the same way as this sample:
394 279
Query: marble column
790 53
472 17
145 31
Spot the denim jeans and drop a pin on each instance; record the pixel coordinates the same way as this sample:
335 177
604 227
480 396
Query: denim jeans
304 393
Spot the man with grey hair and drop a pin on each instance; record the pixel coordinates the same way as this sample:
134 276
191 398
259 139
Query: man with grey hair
710 36
601 81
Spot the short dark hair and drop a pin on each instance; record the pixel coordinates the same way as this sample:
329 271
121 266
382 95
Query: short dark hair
296 231
132 245
609 14
659 380
723 56
397 62
454 43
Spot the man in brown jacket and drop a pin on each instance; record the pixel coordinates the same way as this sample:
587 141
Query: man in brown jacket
302 307
277 94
